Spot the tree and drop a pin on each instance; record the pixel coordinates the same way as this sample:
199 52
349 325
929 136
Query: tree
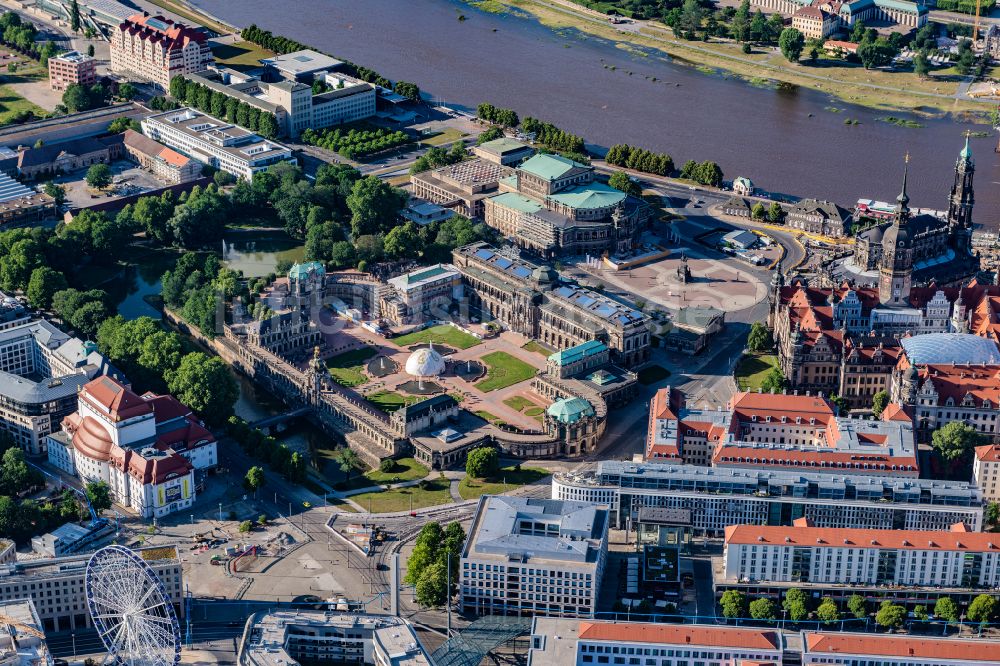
858 32
758 211
876 53
947 609
431 589
43 285
982 608
758 27
490 134
99 495
992 513
921 65
482 462
425 551
741 22
99 176
348 461
890 615
74 16
90 50
775 212
858 606
403 241
621 181
374 205
827 611
759 339
205 384
920 612
127 91
791 42
386 465
246 526
56 191
796 602
840 404
691 15
774 381
254 479
879 402
956 440
734 604
763 609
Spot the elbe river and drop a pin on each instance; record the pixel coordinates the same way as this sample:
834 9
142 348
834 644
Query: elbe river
784 140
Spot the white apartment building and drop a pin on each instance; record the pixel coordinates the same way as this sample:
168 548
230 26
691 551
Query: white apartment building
986 471
534 557
281 638
41 370
146 448
57 586
837 648
719 496
568 642
804 554
155 49
215 142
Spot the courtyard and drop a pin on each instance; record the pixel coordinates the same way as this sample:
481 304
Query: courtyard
128 177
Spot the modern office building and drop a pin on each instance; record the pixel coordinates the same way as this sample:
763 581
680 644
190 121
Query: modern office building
57 586
72 68
570 642
303 66
534 557
283 638
22 638
292 103
155 49
718 497
782 432
41 370
803 554
215 142
146 448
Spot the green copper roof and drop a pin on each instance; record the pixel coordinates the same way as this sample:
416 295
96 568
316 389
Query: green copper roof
570 410
578 353
550 167
517 202
301 271
966 152
503 145
594 195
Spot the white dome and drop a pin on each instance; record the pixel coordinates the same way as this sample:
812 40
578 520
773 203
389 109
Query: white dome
425 363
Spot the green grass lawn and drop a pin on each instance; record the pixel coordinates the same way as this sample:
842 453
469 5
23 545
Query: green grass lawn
240 55
652 374
406 469
442 334
537 347
12 104
447 136
503 370
473 488
751 371
399 499
492 418
525 406
347 369
390 401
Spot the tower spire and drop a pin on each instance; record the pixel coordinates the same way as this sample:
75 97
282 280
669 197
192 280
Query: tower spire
966 153
904 199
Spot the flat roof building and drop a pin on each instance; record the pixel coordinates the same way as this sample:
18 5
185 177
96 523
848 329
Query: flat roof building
301 65
215 142
534 557
166 164
22 639
505 151
71 68
286 638
719 497
462 187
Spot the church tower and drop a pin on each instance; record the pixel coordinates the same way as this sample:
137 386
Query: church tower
961 200
896 268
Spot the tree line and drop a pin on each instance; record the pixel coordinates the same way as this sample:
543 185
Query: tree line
290 464
427 569
220 105
640 159
547 134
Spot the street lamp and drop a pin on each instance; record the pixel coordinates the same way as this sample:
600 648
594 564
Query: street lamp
220 512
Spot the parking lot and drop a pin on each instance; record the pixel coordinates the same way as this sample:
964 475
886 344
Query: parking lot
128 179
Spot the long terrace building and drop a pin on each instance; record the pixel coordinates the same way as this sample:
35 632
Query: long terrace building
718 497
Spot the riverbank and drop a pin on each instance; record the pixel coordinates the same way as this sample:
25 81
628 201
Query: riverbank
876 89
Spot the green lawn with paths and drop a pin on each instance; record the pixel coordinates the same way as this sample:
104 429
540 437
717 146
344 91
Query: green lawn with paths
473 488
442 334
503 370
403 499
751 370
347 369
390 401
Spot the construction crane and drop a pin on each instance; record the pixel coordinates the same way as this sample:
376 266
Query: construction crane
20 626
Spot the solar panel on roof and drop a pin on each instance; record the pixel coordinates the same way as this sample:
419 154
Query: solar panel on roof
157 24
605 310
585 301
565 292
635 314
504 263
484 254
521 271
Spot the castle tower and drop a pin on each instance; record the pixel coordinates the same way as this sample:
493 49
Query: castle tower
896 268
777 282
961 200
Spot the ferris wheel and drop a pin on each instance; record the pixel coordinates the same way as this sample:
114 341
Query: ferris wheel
131 610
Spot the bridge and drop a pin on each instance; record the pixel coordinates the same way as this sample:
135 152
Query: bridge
278 419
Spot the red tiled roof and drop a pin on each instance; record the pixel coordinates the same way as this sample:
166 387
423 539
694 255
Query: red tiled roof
89 437
895 412
746 405
828 458
873 645
958 540
631 632
988 453
107 395
980 382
